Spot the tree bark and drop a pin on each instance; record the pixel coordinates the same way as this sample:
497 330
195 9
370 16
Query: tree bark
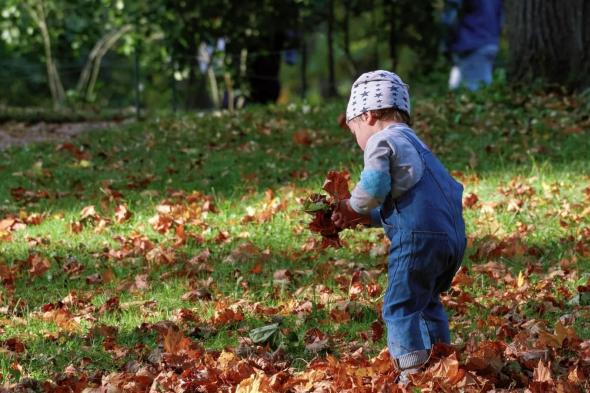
91 69
38 13
213 86
549 40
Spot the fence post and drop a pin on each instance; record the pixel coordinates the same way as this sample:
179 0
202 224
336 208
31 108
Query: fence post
303 66
330 36
136 69
173 80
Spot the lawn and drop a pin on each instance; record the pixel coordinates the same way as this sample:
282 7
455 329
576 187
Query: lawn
173 253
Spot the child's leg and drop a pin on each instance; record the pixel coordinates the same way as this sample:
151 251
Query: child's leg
437 321
476 67
434 314
414 319
437 325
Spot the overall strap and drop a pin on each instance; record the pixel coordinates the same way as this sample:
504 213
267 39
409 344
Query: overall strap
413 140
390 204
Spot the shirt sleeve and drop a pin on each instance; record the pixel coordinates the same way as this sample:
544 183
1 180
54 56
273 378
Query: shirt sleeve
375 182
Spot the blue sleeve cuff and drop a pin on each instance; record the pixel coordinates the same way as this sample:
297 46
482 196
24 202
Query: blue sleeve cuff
375 183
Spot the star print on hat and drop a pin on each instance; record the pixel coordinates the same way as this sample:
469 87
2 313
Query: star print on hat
377 90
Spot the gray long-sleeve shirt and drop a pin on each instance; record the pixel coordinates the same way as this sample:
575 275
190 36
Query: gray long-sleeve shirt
392 164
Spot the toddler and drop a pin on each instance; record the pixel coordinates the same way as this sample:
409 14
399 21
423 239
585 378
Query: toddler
406 190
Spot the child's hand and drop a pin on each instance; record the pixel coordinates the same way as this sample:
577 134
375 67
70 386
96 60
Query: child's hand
344 217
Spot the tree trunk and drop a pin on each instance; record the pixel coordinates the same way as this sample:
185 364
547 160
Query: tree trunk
174 100
207 57
37 12
303 66
229 87
91 69
137 78
193 77
331 73
549 40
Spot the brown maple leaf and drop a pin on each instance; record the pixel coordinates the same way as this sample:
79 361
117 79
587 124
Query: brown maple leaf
122 213
336 184
302 137
38 265
322 207
88 212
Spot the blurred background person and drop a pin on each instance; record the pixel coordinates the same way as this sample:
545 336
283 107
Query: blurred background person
471 40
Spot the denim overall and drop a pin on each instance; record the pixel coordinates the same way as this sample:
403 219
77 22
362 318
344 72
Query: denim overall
427 233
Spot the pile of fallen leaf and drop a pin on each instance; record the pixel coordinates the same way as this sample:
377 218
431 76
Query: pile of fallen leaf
508 350
535 361
322 207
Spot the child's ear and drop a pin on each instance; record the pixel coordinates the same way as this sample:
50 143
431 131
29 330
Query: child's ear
371 118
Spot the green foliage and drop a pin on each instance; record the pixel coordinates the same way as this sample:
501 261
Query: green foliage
167 36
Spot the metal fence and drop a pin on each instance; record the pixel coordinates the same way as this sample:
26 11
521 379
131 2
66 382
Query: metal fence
143 82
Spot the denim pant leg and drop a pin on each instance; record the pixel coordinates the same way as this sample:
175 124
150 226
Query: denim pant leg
476 68
412 317
435 315
437 321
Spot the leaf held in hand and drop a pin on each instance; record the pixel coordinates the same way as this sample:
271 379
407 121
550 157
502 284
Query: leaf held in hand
315 203
322 207
336 184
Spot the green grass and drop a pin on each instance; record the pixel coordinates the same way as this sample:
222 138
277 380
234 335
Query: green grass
494 143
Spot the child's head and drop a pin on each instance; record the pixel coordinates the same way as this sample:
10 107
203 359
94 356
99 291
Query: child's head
377 99
383 93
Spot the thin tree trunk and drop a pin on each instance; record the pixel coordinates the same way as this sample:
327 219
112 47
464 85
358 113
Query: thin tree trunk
549 40
230 90
37 11
91 69
173 80
213 86
137 80
303 66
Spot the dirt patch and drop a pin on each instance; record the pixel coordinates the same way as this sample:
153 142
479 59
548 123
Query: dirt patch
19 133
